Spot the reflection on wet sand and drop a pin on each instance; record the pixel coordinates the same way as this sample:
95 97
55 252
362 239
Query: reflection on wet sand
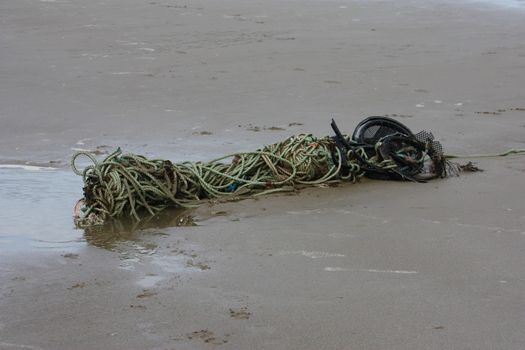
109 234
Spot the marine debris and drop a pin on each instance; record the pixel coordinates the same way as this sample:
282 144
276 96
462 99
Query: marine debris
131 186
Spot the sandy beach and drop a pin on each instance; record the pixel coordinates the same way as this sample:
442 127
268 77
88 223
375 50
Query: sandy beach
372 265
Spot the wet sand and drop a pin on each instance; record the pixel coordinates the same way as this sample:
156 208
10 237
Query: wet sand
375 265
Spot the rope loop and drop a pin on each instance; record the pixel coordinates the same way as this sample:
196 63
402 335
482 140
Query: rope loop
74 158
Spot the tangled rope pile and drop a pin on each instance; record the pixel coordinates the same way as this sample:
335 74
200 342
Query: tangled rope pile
129 185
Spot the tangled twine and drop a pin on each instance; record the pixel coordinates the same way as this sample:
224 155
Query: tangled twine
127 184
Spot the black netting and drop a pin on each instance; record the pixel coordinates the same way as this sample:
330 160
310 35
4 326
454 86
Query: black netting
377 132
372 129
427 137
371 132
389 150
424 136
437 147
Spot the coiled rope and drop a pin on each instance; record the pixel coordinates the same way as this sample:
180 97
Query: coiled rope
125 185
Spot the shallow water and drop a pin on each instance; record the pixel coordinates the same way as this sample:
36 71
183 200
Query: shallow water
36 212
36 207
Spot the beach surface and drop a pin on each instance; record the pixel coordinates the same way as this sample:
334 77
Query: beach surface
371 265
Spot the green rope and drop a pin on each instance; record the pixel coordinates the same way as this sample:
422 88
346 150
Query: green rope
126 185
